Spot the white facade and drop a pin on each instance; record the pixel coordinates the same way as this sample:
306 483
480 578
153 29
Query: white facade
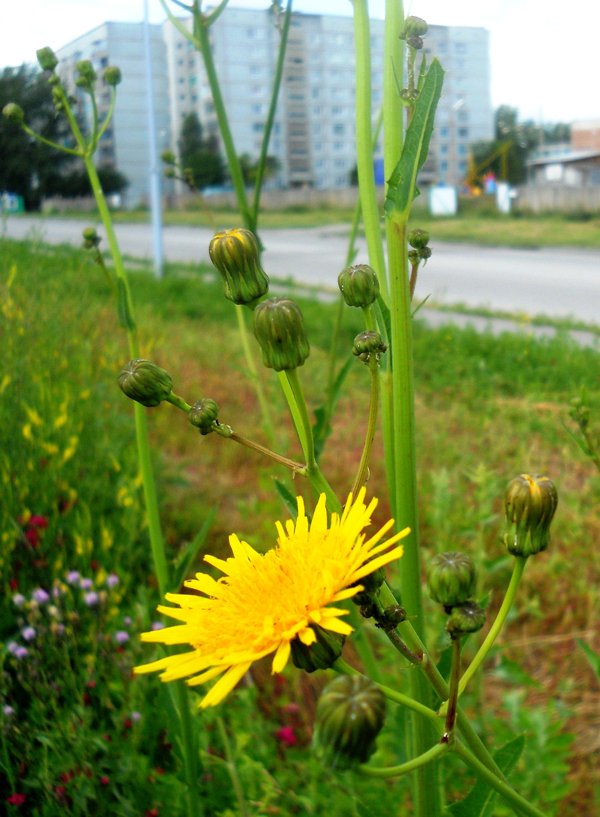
313 134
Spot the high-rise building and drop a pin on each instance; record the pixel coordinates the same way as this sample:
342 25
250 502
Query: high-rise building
313 135
125 146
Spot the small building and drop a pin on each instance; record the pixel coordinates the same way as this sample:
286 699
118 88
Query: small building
576 168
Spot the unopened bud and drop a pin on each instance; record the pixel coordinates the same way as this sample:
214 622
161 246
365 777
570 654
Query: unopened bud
367 344
321 654
279 330
14 113
168 157
350 715
145 382
47 59
415 42
359 285
465 618
91 239
414 27
87 75
112 76
390 617
236 255
451 578
203 414
529 505
418 238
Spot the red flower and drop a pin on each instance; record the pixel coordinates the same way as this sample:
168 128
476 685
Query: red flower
104 780
286 736
16 799
32 536
37 521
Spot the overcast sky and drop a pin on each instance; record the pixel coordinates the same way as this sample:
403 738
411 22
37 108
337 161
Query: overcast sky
543 55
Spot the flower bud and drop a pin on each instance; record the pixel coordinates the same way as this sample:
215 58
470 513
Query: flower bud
321 654
390 617
203 414
415 42
279 330
350 715
414 27
91 239
451 579
87 75
465 618
145 382
359 285
168 157
367 344
236 255
14 113
418 238
112 76
529 506
47 59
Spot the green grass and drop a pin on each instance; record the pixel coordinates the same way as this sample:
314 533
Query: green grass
487 408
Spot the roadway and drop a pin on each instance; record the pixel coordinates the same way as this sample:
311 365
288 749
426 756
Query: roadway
560 283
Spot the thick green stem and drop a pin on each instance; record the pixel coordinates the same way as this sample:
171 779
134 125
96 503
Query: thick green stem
410 766
498 624
515 800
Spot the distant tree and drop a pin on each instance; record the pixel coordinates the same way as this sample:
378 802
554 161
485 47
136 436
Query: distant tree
76 183
199 156
27 168
514 140
249 165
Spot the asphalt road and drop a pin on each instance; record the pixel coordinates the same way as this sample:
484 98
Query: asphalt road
561 283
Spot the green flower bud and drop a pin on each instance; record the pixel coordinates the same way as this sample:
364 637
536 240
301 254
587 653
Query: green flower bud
279 330
359 285
390 617
91 239
350 715
47 59
14 113
424 253
415 42
452 578
370 584
168 157
418 238
319 655
465 618
87 75
112 76
367 344
236 255
529 505
203 414
145 382
414 27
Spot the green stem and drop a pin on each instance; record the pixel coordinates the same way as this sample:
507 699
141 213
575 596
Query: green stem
496 627
232 770
363 466
410 766
252 373
295 467
453 686
178 402
515 800
364 142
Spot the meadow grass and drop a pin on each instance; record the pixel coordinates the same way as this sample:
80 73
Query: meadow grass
488 408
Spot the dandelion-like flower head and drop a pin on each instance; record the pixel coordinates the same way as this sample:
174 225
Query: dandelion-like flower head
265 601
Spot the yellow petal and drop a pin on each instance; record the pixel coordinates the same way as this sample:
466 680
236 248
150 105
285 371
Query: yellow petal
224 685
281 656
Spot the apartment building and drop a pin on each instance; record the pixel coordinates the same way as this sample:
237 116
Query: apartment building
313 134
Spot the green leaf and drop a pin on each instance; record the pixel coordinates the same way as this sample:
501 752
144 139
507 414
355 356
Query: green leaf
289 500
403 181
125 318
592 657
322 428
189 554
479 802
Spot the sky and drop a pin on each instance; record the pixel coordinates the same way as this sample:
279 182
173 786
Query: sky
543 55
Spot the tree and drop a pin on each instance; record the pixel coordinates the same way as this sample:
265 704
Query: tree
28 168
249 166
513 143
199 156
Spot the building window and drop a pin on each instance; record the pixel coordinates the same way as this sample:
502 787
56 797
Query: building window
463 133
258 127
339 129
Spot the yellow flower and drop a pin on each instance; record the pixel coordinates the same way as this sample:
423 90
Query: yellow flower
265 601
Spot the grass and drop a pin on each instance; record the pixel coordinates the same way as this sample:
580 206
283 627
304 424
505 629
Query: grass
474 224
488 408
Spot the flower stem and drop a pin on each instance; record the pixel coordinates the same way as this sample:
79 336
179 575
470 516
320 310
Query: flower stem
453 687
371 426
496 627
232 769
254 377
410 766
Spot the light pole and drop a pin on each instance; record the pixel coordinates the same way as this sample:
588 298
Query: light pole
153 160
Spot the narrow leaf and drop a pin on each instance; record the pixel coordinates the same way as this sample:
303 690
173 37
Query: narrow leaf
479 802
189 554
592 657
322 427
403 181
289 500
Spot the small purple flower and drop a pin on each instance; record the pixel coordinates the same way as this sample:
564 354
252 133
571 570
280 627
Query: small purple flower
40 595
121 637
12 647
157 625
127 621
112 580
28 633
91 598
73 577
9 711
136 716
86 584
18 600
21 652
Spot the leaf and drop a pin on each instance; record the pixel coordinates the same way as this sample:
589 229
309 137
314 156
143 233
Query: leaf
479 802
403 181
188 555
592 657
289 500
322 428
